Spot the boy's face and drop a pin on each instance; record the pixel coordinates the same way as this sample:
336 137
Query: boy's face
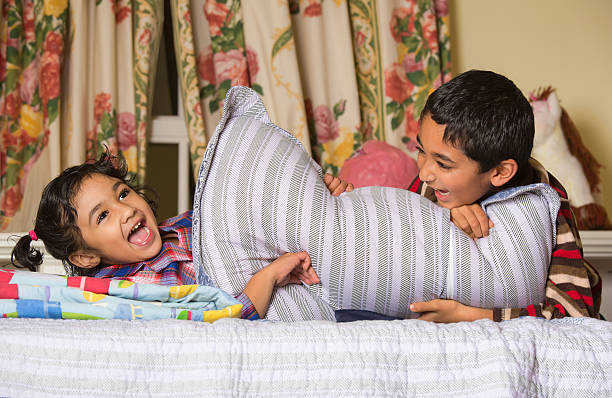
116 223
455 178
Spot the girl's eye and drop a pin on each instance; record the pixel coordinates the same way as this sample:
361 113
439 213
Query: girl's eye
125 192
102 216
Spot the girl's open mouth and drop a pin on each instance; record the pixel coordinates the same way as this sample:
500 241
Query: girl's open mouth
140 234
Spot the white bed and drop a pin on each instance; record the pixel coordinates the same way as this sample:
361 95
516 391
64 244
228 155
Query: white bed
231 357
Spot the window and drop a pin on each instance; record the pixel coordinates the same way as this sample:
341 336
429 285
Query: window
168 160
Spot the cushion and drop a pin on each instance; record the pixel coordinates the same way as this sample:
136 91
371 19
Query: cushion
377 163
259 195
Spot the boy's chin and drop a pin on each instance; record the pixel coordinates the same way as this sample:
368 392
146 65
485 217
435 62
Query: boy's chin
447 203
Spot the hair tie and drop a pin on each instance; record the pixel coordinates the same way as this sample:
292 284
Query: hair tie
33 235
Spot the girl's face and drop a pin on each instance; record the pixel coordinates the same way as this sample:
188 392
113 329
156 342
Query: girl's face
117 224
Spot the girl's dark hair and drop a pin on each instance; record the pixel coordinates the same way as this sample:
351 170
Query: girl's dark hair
486 116
56 218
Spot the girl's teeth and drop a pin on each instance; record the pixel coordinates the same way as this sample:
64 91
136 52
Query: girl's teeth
135 227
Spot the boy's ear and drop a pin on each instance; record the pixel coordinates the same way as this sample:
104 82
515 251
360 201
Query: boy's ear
503 172
84 259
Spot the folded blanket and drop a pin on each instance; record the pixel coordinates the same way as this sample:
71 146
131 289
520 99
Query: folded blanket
259 195
26 294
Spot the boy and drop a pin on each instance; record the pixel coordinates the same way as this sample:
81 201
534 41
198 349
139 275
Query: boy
475 139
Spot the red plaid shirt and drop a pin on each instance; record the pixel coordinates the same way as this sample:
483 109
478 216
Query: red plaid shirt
173 265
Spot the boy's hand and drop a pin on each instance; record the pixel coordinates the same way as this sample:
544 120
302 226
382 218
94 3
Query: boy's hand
335 185
446 311
293 268
472 220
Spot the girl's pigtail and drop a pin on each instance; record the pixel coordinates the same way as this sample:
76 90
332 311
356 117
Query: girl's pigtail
24 256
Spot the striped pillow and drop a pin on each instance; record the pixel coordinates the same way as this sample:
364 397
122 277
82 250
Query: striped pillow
260 195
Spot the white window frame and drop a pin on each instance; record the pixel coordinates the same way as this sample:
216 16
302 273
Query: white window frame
172 130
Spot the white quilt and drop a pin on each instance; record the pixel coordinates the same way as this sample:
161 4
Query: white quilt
232 358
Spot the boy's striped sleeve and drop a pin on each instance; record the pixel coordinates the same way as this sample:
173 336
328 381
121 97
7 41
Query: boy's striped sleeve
573 287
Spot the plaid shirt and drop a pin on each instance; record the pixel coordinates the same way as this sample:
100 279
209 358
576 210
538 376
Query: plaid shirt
573 287
173 265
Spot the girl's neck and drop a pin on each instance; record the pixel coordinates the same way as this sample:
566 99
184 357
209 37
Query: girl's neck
171 237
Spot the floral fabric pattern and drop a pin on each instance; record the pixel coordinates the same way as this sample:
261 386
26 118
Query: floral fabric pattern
334 73
423 63
101 77
132 128
118 125
32 35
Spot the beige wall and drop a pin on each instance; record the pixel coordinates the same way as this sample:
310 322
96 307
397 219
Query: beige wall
562 43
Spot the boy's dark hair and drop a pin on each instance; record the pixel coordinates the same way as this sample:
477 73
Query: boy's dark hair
56 218
486 116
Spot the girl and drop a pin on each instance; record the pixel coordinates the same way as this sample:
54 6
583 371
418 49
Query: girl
92 219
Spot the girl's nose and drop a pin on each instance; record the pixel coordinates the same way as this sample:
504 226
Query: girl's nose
126 212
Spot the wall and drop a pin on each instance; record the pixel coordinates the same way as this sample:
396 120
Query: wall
561 43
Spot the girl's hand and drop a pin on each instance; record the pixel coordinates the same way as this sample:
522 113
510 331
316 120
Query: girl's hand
293 268
446 311
288 268
335 185
472 220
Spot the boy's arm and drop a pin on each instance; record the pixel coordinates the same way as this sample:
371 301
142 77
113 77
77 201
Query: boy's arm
573 287
570 290
289 268
447 311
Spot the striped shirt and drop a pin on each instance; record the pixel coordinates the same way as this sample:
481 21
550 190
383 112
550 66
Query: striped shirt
574 286
173 265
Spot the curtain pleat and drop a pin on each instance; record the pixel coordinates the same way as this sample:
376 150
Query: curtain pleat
32 47
187 69
148 24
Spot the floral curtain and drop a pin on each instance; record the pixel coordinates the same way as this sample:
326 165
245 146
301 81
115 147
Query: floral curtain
119 42
104 85
31 52
332 72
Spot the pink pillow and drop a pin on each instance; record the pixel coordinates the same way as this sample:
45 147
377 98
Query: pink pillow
379 164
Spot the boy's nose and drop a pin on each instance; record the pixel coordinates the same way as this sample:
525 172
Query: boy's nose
425 173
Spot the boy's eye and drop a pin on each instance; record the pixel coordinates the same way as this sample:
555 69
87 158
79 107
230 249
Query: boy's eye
419 149
124 192
102 216
443 166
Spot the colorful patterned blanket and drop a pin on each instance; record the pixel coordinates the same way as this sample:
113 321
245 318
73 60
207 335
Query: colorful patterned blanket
26 294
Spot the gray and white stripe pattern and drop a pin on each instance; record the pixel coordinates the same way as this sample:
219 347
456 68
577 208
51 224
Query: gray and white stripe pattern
527 357
260 195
